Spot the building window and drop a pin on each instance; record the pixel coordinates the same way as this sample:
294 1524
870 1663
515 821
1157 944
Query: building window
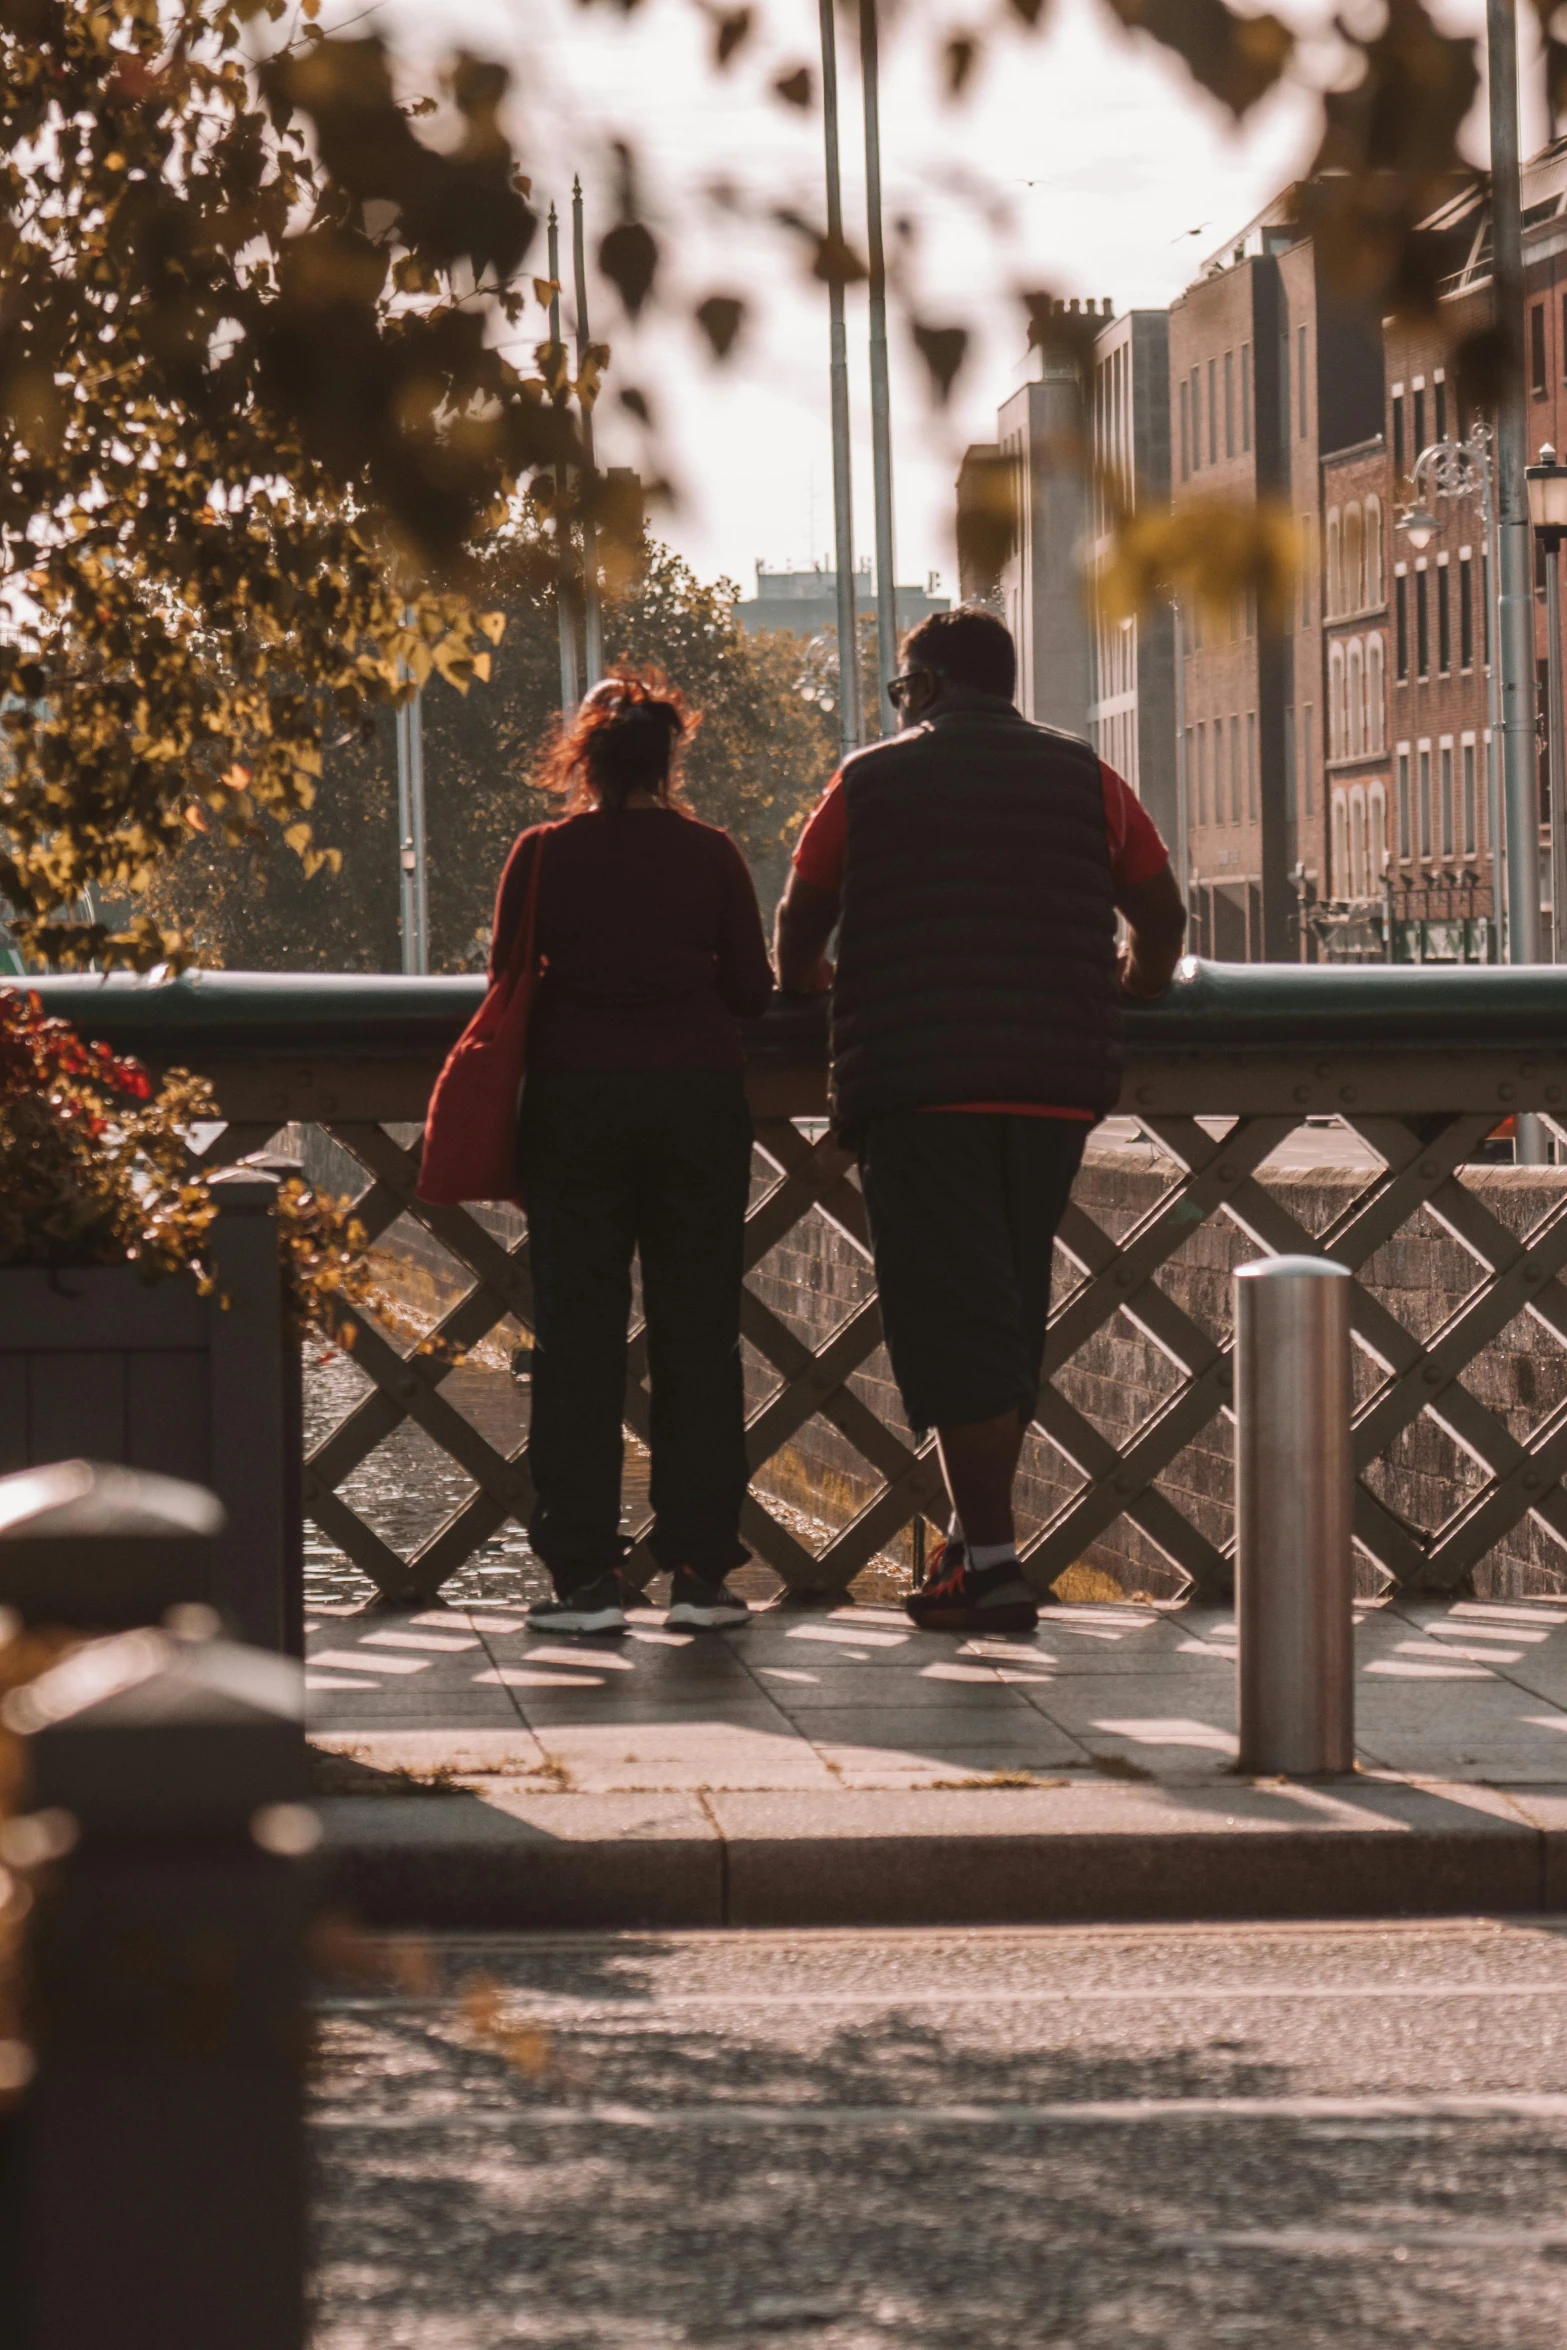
1466 616
1401 627
1300 394
1291 773
1335 701
1306 757
1444 621
1340 844
1213 412
1471 809
1353 560
1235 771
1376 695
1537 350
1377 827
1418 403
1373 550
1485 604
1251 765
1423 759
1439 394
1398 438
1447 798
1333 583
1404 819
1196 419
1245 395
1186 429
1357 844
1219 808
1354 700
1229 403
1307 553
1422 623
1202 774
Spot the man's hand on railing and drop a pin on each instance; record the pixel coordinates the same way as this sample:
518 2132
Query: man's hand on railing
1156 929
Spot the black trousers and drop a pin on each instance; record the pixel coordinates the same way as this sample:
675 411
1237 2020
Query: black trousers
963 1208
656 1164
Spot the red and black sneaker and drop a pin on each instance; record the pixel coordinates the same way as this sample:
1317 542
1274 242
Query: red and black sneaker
960 1598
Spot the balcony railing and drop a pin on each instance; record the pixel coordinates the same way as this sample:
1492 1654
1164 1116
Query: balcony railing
1420 1065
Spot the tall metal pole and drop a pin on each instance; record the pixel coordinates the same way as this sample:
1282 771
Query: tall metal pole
565 596
413 904
1495 813
1183 813
1515 609
592 619
881 410
842 477
1556 721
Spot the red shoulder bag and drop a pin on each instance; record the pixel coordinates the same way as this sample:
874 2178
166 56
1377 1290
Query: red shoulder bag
470 1127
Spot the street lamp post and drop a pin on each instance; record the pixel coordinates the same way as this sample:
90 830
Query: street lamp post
1547 483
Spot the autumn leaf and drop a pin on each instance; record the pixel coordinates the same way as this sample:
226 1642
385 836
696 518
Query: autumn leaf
721 317
628 257
943 349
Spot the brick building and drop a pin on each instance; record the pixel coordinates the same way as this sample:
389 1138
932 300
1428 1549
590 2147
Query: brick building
1268 375
1340 771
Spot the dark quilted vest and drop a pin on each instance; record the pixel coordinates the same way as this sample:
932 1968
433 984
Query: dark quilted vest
976 951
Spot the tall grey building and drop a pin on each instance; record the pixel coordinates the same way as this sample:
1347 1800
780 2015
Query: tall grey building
1087 430
1131 716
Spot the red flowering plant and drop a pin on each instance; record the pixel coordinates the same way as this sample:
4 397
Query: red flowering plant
96 1168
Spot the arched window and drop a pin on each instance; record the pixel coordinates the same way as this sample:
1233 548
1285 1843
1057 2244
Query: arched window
1353 549
1333 585
1335 701
1357 844
1376 695
1376 800
1355 699
1340 845
1373 551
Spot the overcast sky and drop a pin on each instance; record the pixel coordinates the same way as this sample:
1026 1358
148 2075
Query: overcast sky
1117 177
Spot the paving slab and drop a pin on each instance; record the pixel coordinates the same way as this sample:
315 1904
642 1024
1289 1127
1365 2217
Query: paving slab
840 1768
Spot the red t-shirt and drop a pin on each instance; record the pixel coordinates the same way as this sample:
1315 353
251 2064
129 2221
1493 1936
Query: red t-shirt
1136 854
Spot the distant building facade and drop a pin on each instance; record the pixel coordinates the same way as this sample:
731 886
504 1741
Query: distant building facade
805 603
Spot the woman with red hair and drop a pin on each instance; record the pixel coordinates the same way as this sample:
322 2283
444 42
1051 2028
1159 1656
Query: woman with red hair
634 1139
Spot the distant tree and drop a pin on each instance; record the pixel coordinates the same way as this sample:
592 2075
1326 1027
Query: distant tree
759 758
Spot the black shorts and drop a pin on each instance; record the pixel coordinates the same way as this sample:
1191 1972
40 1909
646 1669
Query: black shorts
963 1208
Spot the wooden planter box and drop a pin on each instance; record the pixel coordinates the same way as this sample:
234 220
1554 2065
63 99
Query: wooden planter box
97 1364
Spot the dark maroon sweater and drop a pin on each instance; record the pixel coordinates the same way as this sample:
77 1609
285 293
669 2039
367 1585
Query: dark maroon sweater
651 941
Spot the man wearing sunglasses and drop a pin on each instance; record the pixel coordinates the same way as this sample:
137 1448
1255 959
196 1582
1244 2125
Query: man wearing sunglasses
973 866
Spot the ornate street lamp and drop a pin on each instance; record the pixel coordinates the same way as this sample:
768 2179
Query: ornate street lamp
1547 483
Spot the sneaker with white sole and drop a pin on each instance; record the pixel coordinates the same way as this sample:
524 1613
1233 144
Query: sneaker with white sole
701 1606
599 1606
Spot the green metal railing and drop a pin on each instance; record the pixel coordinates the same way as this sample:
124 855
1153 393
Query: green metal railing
1419 1064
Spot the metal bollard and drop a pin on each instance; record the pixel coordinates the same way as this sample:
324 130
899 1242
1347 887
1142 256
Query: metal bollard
1294 1506
161 2141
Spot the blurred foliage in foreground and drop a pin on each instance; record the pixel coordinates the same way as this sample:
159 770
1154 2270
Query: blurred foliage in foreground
761 755
258 425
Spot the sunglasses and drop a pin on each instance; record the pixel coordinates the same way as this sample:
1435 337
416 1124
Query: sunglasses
898 688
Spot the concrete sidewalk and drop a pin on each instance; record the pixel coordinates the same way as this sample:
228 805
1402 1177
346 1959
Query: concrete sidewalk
841 1769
